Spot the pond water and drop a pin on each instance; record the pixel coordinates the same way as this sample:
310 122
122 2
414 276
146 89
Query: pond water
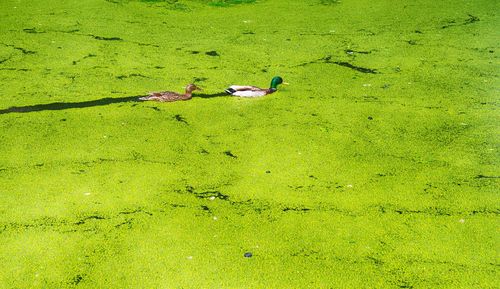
376 167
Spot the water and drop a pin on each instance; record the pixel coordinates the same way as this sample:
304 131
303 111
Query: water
376 167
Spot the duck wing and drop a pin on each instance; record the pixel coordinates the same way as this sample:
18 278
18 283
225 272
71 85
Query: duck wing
164 96
250 93
244 88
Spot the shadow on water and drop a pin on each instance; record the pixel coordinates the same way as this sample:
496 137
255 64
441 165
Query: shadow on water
203 95
84 104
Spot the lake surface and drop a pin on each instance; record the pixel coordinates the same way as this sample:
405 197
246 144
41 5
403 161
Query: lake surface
376 167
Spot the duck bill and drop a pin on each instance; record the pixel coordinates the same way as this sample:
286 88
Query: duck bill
285 83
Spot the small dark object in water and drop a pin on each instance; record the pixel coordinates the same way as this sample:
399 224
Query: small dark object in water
248 255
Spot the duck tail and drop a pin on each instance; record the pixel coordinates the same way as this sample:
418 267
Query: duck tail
230 90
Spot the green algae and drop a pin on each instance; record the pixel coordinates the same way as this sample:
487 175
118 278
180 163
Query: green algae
226 3
377 166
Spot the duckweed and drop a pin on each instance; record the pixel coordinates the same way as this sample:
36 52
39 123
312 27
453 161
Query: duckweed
377 167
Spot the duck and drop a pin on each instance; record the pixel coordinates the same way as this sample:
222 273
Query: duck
253 91
165 96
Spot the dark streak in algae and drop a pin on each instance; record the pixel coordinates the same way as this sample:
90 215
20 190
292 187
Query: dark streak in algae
229 153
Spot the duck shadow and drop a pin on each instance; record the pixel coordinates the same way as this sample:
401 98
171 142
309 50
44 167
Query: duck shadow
84 104
204 95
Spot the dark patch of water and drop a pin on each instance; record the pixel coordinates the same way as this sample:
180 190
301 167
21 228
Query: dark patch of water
23 50
205 208
106 38
212 53
32 30
131 75
212 195
375 261
328 60
487 177
179 118
227 3
452 23
295 209
84 220
404 284
155 108
199 79
136 211
85 57
230 154
77 279
350 51
127 223
329 2
5 59
305 252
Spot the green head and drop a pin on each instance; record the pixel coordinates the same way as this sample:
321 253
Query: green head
275 81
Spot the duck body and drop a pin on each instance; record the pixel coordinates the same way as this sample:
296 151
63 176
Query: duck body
254 91
169 96
248 91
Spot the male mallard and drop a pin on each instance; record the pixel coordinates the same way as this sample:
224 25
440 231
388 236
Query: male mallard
171 96
253 91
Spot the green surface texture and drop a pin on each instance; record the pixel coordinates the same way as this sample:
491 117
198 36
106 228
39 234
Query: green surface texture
377 167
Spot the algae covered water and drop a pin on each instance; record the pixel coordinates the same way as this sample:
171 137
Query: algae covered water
377 167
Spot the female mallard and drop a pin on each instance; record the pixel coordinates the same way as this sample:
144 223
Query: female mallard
171 96
253 91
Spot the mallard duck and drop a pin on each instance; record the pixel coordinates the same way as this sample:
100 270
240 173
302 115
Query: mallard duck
253 91
170 95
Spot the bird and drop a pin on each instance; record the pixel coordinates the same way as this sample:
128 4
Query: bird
165 96
253 91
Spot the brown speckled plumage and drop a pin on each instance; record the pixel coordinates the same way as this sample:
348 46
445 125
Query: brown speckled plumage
164 96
